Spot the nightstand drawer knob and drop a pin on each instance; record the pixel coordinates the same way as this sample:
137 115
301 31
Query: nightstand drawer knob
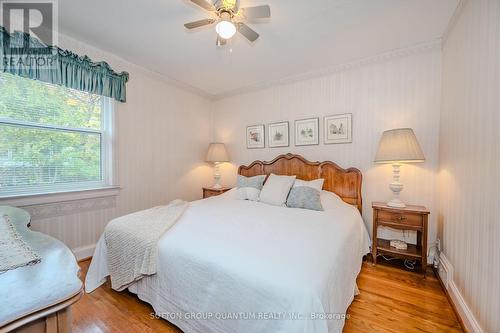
401 218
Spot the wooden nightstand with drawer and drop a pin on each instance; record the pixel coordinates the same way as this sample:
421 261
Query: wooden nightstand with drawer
413 218
212 192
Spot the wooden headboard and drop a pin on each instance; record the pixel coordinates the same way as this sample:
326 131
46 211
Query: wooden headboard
346 183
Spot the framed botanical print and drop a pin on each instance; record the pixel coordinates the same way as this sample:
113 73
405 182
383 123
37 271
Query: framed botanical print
278 134
338 128
255 137
307 132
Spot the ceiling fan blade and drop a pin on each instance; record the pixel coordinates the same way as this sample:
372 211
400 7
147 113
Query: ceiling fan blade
257 12
220 41
204 4
227 5
249 33
200 23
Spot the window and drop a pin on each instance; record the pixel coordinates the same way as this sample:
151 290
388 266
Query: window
52 138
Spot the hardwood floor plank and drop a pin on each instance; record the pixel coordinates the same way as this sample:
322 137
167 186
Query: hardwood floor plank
387 305
391 300
403 320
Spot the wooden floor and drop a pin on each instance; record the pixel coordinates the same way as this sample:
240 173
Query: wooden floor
391 300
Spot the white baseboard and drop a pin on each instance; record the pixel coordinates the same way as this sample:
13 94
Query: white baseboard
465 313
84 252
445 270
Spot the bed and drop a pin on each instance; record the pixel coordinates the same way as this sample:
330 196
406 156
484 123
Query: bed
232 265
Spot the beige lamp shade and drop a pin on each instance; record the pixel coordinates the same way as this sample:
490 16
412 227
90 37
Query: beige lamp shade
217 153
399 146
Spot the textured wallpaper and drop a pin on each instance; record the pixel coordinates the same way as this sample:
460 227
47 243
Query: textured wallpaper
161 137
469 175
398 90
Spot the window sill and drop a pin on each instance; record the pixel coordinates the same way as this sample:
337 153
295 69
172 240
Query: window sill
62 196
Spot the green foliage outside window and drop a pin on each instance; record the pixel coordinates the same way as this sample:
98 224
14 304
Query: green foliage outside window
48 134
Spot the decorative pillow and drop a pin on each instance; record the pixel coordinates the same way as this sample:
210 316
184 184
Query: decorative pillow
276 189
306 194
249 187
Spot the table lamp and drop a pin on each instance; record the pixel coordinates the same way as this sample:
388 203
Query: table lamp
398 146
217 154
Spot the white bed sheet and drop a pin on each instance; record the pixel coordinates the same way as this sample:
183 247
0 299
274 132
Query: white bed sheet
274 269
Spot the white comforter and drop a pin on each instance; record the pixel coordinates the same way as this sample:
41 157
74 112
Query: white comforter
230 265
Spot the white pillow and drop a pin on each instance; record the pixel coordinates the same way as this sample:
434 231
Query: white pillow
315 184
330 200
276 189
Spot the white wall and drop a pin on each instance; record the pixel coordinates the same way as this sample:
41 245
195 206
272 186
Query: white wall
401 89
162 133
470 160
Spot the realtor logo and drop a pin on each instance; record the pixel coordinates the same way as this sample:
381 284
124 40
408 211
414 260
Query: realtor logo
36 18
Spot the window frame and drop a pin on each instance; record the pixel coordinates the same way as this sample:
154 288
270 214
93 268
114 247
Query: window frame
78 190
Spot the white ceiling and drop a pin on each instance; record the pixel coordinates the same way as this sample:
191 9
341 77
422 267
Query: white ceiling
302 36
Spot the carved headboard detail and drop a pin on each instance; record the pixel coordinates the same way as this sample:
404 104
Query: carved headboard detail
346 183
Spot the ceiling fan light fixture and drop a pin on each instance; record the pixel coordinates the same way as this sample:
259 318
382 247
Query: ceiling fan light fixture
229 19
225 29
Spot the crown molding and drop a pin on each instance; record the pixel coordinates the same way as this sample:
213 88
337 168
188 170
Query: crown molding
431 45
454 19
124 64
161 77
434 44
175 83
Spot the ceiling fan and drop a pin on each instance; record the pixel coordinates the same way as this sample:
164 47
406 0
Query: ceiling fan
230 19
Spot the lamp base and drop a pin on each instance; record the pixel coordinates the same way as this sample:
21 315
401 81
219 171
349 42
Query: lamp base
396 203
396 187
217 185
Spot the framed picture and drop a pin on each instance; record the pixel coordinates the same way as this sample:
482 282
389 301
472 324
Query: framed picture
278 134
255 137
307 132
338 128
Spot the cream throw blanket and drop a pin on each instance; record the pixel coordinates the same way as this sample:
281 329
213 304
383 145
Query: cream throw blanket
14 251
132 240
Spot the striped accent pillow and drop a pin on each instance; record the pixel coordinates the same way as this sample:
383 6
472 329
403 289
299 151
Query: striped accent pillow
306 194
249 187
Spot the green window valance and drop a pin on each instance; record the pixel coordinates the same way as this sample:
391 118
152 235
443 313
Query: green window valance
28 57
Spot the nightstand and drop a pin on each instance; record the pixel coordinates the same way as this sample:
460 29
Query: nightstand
212 192
413 218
